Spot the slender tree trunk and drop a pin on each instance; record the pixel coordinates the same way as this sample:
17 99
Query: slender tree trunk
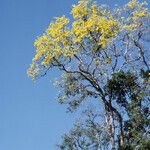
110 122
112 131
121 137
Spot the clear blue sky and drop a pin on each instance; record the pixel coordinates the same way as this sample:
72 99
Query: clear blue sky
30 117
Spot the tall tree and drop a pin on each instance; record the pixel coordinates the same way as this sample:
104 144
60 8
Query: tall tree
103 54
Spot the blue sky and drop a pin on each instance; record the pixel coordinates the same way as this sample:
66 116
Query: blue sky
30 117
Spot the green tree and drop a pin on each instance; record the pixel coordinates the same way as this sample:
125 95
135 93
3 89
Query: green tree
103 55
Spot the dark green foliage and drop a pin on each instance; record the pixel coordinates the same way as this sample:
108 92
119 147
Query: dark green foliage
125 90
120 86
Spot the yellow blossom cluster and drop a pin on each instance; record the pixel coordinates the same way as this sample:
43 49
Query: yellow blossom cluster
91 20
80 10
54 42
132 4
60 40
91 23
137 13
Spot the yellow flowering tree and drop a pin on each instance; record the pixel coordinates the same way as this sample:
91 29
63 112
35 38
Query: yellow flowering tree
89 50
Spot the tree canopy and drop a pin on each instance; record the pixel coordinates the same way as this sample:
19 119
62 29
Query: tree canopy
103 54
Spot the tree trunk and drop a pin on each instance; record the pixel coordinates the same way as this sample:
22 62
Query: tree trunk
112 131
121 137
110 122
